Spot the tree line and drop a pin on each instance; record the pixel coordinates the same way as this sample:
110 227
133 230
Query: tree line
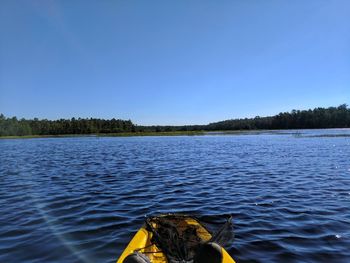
13 126
332 117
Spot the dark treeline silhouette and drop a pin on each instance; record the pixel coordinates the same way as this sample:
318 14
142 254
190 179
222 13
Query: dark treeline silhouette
13 126
332 117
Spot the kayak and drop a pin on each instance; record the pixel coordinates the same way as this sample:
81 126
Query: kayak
174 238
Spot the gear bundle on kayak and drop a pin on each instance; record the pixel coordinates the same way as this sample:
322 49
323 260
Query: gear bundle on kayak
177 239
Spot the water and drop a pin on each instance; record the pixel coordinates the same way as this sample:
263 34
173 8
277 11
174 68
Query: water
82 199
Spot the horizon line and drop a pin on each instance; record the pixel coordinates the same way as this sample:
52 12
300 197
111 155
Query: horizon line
136 124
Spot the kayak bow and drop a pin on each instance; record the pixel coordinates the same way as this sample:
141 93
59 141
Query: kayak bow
174 238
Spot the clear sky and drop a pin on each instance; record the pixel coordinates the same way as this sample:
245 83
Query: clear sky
172 62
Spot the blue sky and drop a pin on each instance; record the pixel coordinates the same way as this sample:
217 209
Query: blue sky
172 62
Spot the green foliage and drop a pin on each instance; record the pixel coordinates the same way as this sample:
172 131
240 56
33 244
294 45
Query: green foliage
332 117
14 127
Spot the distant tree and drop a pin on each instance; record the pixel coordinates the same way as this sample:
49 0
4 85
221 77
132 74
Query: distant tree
12 126
332 117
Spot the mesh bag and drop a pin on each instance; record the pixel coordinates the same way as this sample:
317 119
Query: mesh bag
180 236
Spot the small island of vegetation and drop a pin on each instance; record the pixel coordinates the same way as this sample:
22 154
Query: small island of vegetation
332 117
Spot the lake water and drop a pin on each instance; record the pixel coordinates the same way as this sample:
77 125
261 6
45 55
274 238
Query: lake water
82 199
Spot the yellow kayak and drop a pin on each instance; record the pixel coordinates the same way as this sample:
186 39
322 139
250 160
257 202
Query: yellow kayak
173 238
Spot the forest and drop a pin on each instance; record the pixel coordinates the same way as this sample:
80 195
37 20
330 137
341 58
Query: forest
14 127
332 117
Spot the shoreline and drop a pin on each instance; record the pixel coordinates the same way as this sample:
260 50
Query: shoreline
172 133
121 134
135 134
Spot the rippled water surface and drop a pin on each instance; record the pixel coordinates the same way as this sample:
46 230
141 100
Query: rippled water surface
82 199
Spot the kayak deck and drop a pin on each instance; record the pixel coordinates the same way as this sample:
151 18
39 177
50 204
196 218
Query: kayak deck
143 241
